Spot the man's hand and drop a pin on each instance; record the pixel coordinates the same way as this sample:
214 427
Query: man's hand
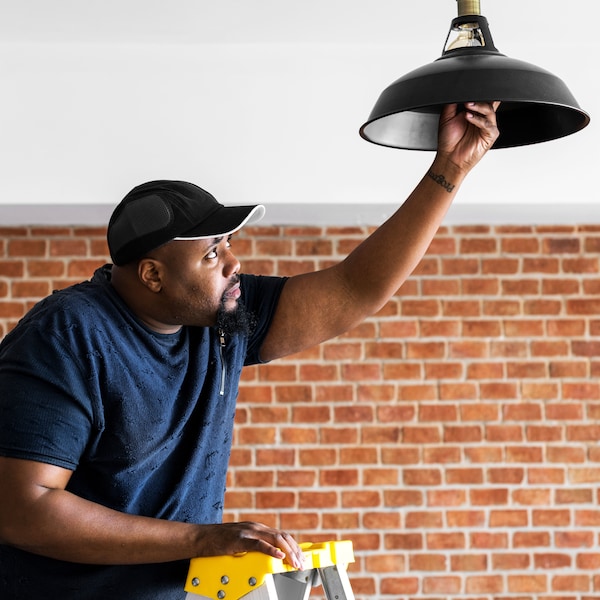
233 538
466 135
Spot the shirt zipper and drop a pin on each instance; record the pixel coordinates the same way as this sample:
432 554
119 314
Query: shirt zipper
223 363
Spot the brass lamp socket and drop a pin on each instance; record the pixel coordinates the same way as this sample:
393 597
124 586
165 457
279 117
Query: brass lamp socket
468 7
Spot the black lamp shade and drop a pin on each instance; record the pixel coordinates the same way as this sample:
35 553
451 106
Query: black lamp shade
536 106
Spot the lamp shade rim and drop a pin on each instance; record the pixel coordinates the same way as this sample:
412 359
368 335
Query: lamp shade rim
536 105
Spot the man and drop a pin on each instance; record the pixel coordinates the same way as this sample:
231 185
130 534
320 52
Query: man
117 395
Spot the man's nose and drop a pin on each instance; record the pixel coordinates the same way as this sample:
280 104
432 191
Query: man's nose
232 264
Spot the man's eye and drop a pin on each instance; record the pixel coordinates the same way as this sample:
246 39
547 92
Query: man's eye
212 254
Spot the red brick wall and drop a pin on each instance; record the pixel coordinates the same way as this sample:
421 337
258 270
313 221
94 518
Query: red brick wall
453 437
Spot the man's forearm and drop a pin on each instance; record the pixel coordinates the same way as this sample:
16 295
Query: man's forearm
381 264
63 526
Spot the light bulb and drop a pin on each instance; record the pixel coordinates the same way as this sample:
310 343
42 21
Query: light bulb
464 35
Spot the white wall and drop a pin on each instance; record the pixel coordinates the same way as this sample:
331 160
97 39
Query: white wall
262 101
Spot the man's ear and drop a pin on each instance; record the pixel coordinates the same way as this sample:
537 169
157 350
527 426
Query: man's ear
149 273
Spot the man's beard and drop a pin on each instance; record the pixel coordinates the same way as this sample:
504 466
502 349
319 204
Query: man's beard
238 320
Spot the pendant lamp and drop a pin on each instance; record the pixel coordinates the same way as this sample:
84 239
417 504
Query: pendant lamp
536 105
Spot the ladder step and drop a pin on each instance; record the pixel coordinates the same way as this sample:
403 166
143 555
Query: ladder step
256 576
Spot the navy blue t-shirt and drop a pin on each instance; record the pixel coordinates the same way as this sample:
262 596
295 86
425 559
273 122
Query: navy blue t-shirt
144 420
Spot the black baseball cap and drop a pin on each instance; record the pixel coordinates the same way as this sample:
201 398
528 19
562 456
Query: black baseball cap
157 212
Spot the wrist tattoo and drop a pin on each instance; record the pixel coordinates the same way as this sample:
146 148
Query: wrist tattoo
441 180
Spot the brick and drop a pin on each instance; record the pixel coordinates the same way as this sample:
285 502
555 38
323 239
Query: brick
269 414
421 477
524 454
421 435
299 435
543 433
488 540
385 563
480 286
303 414
531 497
361 499
501 308
381 435
571 583
508 518
574 539
561 245
400 456
254 478
440 287
466 518
12 268
317 456
338 435
380 477
553 560
26 248
484 454
398 586
442 455
441 585
522 412
504 433
460 266
299 521
275 456
464 434
403 541
464 476
83 268
446 328
468 349
486 245
427 562
532 539
443 370
541 265
68 247
424 520
339 477
506 475
551 518
445 541
588 561
317 500
358 455
512 561
273 499
573 496
520 287
484 584
499 266
535 584
489 497
11 310
29 289
520 245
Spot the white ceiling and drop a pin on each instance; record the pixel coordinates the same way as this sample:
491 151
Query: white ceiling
259 21
261 100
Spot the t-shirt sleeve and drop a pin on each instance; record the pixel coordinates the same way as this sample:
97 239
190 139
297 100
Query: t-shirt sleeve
45 414
260 294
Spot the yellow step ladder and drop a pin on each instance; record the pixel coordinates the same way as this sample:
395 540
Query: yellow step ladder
256 576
